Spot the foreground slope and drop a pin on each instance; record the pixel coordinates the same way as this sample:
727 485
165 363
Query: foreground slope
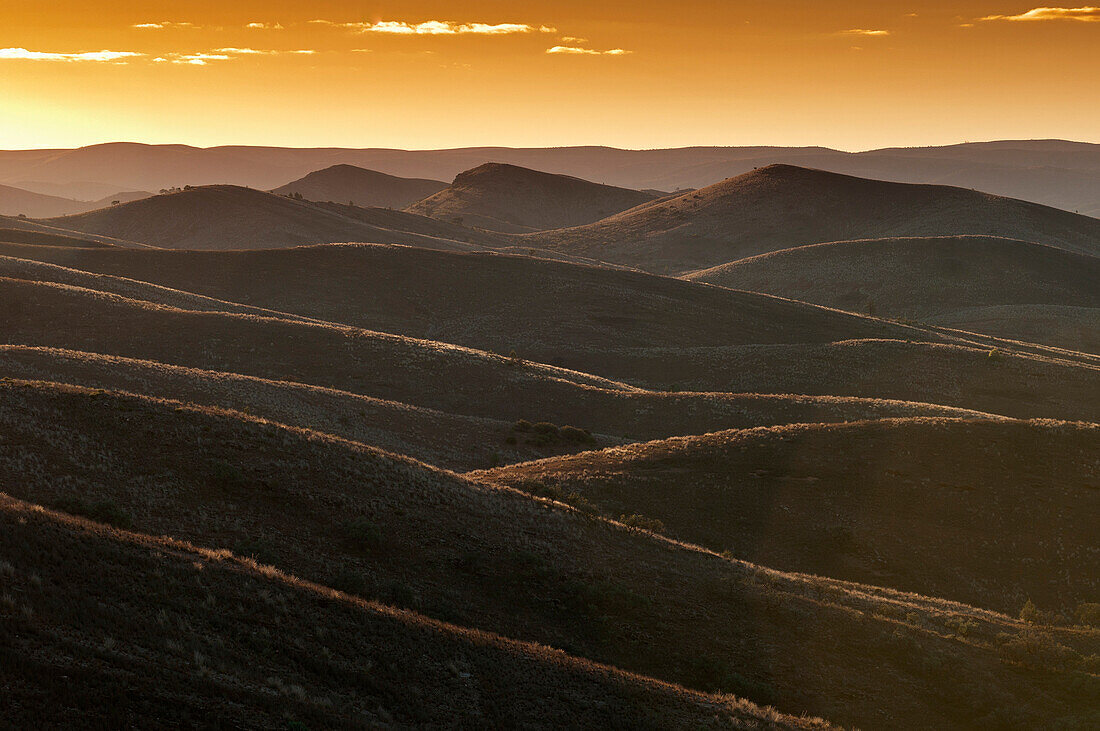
782 206
339 513
1007 508
368 188
929 279
512 199
183 635
230 217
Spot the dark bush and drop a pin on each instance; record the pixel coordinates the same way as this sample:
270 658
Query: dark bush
363 534
642 522
573 434
1088 613
102 511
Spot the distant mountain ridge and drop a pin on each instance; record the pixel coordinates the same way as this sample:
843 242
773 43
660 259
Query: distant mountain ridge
1053 172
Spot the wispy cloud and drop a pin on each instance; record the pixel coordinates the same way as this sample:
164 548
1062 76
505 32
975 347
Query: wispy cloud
1087 14
22 54
438 28
576 51
573 39
162 25
196 59
204 58
257 25
864 32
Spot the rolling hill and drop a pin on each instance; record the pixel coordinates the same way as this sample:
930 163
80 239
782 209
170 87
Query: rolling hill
782 206
227 217
625 326
19 202
932 279
193 634
1005 507
512 199
388 529
360 187
125 349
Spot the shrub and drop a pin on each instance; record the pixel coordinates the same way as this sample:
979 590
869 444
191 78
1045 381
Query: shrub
522 426
573 434
226 474
1088 613
1032 614
349 581
103 511
545 427
255 549
641 522
363 534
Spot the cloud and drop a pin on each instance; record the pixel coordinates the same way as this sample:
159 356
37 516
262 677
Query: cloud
162 25
22 54
438 28
264 26
1087 14
574 50
197 59
864 32
226 54
573 39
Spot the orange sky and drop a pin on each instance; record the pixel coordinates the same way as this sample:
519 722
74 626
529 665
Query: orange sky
852 75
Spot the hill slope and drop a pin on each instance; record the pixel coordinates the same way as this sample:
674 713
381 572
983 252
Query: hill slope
921 279
325 510
508 198
185 634
368 188
1005 507
781 206
229 217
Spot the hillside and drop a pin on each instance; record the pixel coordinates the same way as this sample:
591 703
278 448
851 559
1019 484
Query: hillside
390 529
1006 507
19 202
226 217
193 634
544 310
408 375
512 199
45 238
606 332
931 279
1066 326
782 206
365 188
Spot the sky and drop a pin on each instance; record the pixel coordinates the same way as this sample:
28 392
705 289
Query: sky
640 74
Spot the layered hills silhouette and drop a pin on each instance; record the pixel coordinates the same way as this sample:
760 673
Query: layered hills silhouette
1053 172
302 459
